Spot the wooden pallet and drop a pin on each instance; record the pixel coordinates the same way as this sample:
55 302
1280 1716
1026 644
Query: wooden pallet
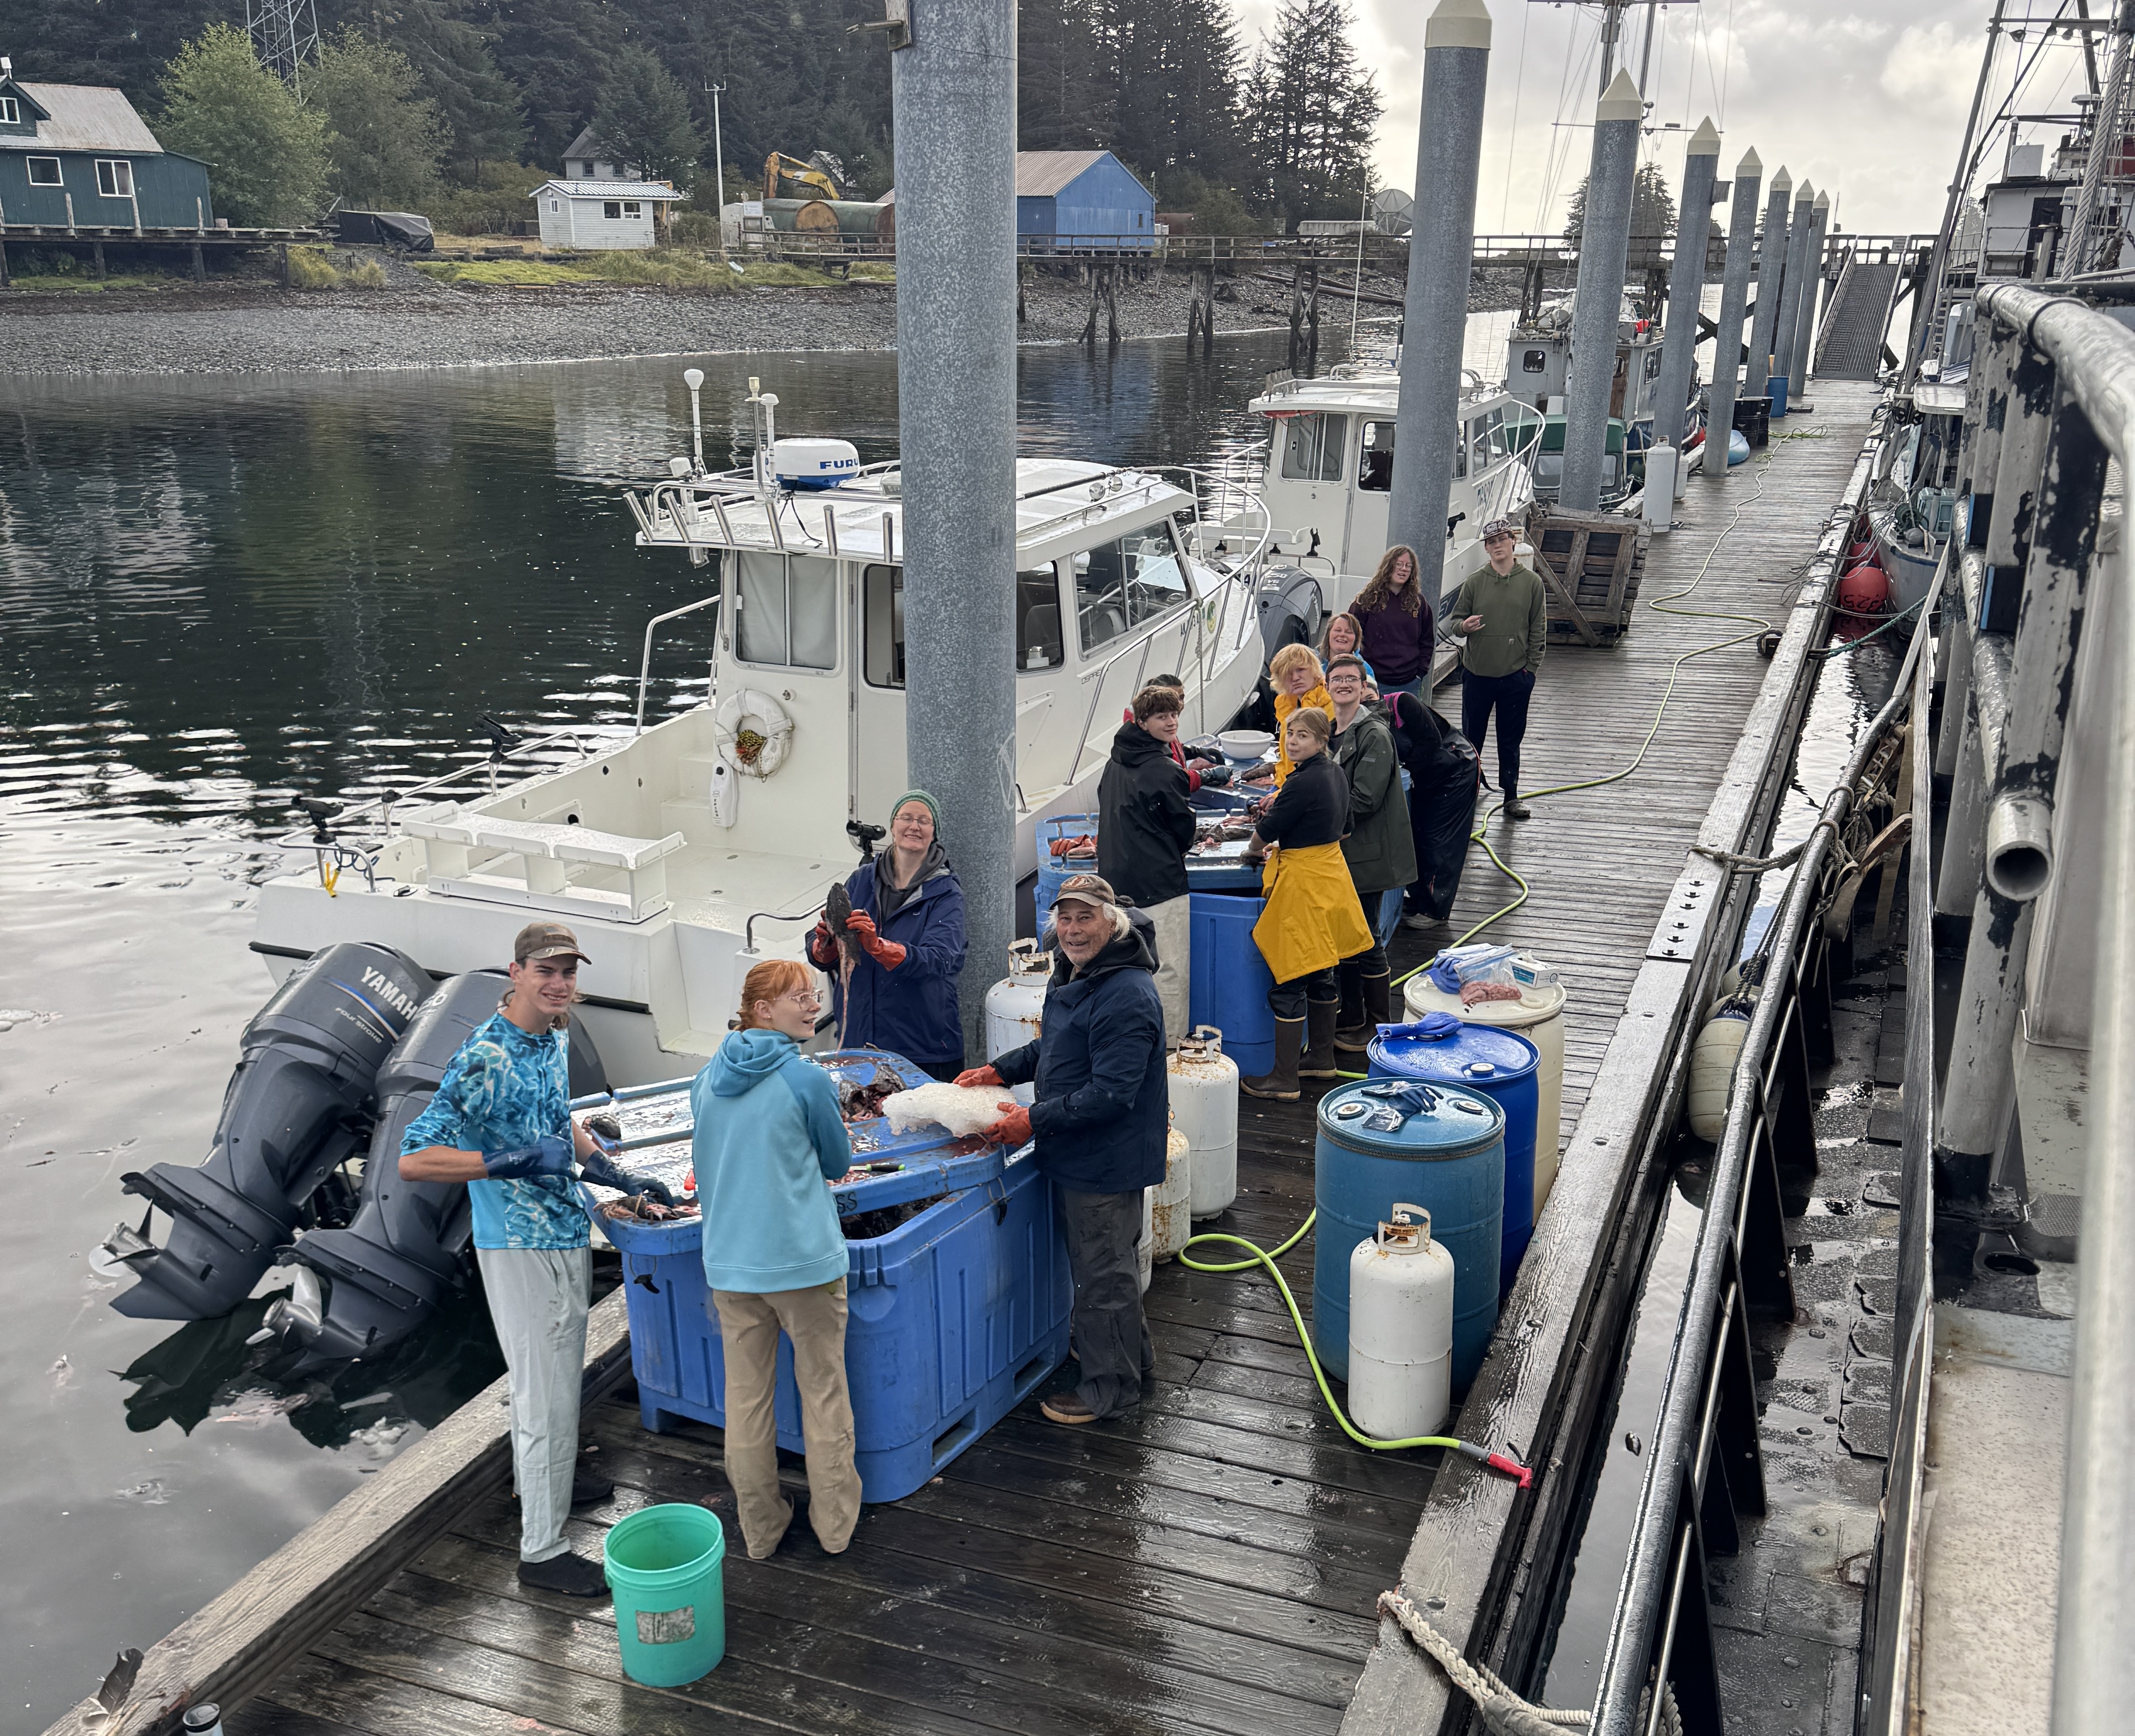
1591 563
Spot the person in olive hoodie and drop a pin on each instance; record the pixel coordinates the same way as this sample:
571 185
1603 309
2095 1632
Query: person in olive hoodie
1144 826
1099 1126
1379 849
769 1142
1504 616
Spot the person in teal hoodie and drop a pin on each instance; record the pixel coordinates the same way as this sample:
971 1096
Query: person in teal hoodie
769 1142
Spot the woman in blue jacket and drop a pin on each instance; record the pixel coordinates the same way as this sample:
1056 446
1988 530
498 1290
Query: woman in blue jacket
908 919
769 1140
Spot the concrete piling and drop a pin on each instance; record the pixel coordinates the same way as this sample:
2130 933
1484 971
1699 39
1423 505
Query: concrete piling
953 92
1456 64
1819 222
1605 243
1771 279
1797 268
1734 301
1679 344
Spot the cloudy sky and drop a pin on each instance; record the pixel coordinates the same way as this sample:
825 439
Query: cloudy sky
1867 98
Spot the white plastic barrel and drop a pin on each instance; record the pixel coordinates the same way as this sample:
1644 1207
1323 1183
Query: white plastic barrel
1657 502
1204 1106
1538 1016
1014 1003
1400 1329
1169 1202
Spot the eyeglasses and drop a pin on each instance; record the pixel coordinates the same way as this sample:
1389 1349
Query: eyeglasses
803 998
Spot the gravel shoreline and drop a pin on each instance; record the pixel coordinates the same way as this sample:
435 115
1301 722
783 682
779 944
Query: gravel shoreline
248 328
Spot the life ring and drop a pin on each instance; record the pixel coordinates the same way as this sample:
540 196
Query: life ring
755 732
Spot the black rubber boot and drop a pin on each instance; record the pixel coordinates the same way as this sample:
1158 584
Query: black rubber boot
572 1575
1279 1081
1377 1001
1319 1059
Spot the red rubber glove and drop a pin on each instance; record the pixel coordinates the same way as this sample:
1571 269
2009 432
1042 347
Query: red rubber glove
888 954
823 947
983 1076
1013 1129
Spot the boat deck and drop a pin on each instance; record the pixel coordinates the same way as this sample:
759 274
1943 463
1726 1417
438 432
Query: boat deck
1212 1563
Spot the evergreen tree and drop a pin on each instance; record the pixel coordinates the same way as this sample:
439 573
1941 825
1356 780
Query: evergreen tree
1065 98
1173 73
386 139
642 118
1653 207
266 151
556 53
480 106
1310 113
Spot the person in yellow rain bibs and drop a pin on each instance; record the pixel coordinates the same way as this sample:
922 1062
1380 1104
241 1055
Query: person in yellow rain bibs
1312 919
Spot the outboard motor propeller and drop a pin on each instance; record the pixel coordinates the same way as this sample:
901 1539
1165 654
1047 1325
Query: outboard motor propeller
401 1255
294 1111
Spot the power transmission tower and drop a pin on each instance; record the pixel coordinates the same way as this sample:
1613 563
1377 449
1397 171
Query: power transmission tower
283 32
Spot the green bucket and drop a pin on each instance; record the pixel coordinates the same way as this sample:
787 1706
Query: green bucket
666 1567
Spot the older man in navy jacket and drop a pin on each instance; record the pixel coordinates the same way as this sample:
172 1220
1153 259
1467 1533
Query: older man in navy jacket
1100 1121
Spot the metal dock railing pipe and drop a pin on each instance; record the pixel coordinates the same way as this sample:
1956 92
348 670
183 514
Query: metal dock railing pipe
1650 1580
2094 359
1428 424
1734 307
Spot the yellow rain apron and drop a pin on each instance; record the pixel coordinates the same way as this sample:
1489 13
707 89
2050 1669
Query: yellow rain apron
1312 919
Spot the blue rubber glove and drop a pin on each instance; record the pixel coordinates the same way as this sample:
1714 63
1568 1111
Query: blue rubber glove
602 1171
549 1156
1216 777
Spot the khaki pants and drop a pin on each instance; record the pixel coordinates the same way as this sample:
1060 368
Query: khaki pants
1174 939
749 1326
538 1298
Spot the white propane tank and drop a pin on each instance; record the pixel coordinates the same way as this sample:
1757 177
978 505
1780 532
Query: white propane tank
814 464
1400 1330
1170 1221
1656 501
1713 1059
1204 1106
1013 1004
1538 1016
1145 1251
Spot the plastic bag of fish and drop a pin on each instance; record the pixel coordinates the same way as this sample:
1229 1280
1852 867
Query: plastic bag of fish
962 1109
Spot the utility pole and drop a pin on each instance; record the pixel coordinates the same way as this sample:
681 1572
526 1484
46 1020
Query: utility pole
718 165
1734 302
1693 223
1605 243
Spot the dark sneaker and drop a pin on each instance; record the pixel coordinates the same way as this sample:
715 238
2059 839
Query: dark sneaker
1067 1407
572 1575
586 1488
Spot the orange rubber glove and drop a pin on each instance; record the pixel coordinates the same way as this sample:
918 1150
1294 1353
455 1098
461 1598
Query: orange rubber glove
888 954
983 1076
823 947
1013 1129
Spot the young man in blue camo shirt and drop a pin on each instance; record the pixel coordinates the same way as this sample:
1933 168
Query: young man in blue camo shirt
500 1122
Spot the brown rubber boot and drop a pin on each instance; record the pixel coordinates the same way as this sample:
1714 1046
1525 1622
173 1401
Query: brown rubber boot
1378 1006
1279 1081
1319 1059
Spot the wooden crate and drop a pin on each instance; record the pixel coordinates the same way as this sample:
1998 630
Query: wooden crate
1591 564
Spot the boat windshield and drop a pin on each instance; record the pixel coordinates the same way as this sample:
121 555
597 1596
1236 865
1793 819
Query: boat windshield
1038 639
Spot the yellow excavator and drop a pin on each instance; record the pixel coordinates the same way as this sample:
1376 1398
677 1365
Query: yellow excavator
788 177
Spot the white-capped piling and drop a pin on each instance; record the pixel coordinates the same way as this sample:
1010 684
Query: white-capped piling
1605 245
1734 302
1782 338
1819 222
1771 279
1686 285
953 88
1456 64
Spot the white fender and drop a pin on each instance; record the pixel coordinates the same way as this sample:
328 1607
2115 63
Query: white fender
753 708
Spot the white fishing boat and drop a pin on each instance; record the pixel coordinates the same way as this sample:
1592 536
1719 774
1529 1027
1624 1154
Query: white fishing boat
677 849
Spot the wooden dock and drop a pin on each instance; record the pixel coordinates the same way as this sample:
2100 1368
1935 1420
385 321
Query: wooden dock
1210 1563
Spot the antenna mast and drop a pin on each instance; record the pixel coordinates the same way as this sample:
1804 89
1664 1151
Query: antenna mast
283 32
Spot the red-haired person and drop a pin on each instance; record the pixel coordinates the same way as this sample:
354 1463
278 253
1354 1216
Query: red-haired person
769 1141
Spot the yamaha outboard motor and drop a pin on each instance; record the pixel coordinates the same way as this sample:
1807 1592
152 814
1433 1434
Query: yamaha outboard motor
402 1253
296 1108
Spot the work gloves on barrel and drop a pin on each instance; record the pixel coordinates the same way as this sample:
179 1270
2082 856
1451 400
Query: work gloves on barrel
1014 1128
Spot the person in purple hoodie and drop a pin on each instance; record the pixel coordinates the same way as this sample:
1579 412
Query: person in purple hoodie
1396 621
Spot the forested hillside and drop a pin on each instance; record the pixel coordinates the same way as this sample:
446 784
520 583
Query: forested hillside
1245 133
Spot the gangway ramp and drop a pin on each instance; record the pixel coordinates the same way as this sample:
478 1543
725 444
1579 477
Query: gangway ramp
1850 345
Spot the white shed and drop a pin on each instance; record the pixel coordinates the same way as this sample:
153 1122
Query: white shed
601 214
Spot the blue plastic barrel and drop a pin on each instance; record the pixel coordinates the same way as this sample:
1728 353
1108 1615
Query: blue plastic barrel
1776 388
1227 982
1449 1160
1055 871
1501 1066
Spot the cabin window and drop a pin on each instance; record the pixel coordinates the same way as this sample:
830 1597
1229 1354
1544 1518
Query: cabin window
1460 451
1534 361
1312 448
1038 645
1100 594
114 180
632 208
785 611
44 172
11 113
1156 582
611 208
1375 467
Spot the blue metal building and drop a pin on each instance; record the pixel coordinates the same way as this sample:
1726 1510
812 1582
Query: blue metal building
78 155
1082 198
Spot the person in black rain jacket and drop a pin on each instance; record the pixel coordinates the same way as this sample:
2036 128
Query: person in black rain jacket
1144 826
